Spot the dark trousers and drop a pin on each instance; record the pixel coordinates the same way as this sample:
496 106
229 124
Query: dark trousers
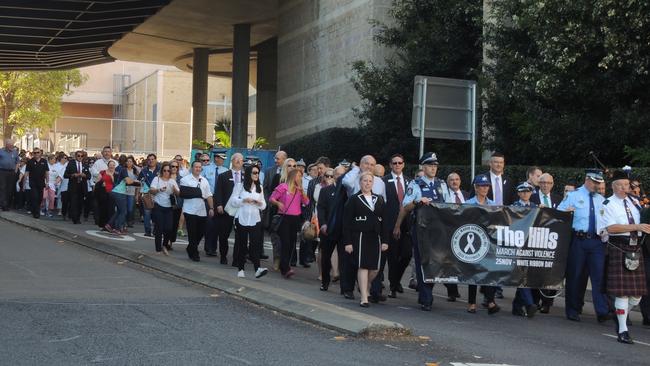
176 219
425 290
287 231
544 297
327 247
399 256
65 203
195 230
488 292
589 253
247 241
377 283
72 204
523 297
162 229
224 227
7 187
36 198
348 266
211 235
89 204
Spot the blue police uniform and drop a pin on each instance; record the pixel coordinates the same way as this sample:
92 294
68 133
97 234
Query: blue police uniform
586 250
432 189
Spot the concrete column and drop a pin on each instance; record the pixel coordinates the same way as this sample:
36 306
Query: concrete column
267 91
200 94
240 81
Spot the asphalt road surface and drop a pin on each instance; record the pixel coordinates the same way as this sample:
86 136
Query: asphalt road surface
62 304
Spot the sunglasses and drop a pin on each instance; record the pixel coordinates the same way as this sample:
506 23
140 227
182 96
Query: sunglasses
397 163
329 176
291 166
205 160
80 156
255 173
166 170
173 166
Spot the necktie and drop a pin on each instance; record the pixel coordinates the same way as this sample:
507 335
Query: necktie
400 190
497 191
630 220
546 203
458 201
592 214
237 177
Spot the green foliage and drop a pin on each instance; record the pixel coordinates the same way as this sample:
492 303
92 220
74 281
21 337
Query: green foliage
561 175
639 156
201 145
30 99
223 139
566 78
434 37
336 143
260 143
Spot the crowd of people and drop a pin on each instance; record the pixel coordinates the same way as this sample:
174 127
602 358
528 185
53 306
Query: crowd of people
352 220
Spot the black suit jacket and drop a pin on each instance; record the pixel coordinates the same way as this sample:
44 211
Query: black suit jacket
555 199
507 189
326 203
358 217
392 201
225 184
76 185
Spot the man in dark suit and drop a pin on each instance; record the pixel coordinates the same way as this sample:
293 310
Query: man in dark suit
326 204
546 198
502 190
399 251
77 174
335 234
457 196
225 185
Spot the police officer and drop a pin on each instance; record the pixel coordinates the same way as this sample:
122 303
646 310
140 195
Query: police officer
523 304
586 248
620 224
421 192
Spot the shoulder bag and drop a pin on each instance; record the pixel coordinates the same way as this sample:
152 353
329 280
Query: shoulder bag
276 220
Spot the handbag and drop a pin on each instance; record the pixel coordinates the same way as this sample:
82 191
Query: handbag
308 230
236 192
147 200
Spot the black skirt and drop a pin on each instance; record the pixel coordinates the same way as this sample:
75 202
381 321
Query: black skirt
366 249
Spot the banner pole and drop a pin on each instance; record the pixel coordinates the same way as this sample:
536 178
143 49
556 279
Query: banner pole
423 110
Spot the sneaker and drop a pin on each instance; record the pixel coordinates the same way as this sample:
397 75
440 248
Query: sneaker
241 274
261 272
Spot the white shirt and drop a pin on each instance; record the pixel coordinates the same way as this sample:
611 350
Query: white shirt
196 206
613 213
162 197
98 166
248 214
351 183
452 196
183 172
493 181
53 173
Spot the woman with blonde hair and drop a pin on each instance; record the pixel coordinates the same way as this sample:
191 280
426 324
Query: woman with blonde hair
364 234
289 197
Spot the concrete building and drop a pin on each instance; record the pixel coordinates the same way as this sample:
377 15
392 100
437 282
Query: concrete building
296 53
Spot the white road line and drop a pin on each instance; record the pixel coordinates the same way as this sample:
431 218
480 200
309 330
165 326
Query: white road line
235 358
64 339
478 364
635 341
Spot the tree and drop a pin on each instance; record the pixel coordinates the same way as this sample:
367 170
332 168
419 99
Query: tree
31 99
434 37
566 78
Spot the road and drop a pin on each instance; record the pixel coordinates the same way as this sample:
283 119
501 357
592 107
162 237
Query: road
63 304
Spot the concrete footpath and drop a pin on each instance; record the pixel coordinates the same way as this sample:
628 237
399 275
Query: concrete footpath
298 297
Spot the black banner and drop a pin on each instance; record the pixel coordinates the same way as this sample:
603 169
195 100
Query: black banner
494 245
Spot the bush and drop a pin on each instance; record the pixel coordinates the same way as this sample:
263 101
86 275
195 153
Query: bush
335 143
561 175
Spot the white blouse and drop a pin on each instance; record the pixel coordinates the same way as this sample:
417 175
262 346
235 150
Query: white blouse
248 214
162 197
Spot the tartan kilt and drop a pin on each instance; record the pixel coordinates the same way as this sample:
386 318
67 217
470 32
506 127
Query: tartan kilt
622 282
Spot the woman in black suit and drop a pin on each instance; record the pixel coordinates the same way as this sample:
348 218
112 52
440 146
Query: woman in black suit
364 233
